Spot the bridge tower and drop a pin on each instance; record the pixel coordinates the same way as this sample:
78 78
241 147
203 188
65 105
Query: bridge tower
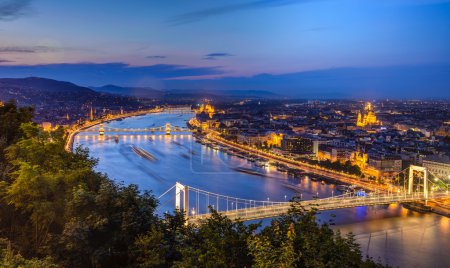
182 189
413 168
168 127
101 131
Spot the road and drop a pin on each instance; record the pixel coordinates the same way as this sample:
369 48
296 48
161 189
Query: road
342 177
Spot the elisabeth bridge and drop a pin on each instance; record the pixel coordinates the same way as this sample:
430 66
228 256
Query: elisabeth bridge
414 184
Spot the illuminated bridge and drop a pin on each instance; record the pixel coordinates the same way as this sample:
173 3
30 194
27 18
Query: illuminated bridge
418 185
167 129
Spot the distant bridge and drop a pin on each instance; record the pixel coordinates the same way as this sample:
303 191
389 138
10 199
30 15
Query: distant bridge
166 129
178 110
196 202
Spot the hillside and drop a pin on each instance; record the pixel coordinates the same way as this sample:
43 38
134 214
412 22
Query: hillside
41 91
53 99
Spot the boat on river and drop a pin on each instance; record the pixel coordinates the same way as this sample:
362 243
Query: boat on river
261 163
143 153
249 171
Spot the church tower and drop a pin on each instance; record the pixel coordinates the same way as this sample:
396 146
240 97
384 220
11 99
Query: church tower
91 114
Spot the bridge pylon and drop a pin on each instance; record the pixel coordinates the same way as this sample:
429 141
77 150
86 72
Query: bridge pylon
413 168
181 189
101 131
168 128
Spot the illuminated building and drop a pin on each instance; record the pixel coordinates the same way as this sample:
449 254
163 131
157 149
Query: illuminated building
47 126
327 152
208 109
383 166
439 166
368 118
360 158
204 126
91 114
1 104
255 139
300 145
275 139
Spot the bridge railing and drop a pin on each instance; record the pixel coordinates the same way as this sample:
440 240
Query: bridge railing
332 203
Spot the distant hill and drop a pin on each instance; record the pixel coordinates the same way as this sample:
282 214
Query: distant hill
54 99
41 91
139 92
151 93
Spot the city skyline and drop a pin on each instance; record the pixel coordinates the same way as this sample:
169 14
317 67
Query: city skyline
309 49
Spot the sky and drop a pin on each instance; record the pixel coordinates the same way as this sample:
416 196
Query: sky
298 48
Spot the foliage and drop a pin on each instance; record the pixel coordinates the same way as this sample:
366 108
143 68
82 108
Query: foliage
346 167
11 118
8 258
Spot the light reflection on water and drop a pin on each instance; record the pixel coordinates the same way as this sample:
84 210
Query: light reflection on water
398 236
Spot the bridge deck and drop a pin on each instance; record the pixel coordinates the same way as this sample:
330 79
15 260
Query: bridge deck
277 209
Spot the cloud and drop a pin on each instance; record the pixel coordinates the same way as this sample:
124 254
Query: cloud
3 61
38 49
98 74
206 13
156 57
28 49
214 56
13 9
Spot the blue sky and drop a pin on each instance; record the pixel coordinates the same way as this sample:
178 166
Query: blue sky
208 43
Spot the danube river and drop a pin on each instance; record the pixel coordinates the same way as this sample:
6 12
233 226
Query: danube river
393 234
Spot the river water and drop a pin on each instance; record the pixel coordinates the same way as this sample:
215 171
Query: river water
393 234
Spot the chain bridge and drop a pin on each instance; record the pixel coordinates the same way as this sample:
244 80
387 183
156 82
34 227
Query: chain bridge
413 184
166 129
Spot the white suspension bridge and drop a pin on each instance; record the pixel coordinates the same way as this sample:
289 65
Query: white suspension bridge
413 184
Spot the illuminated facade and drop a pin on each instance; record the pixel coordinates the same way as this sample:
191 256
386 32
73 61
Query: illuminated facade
383 166
438 166
46 126
368 118
274 140
207 108
91 114
360 158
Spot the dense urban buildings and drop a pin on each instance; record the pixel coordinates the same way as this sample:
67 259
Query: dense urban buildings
381 138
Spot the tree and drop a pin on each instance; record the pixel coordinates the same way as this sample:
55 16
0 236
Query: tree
11 117
298 240
217 242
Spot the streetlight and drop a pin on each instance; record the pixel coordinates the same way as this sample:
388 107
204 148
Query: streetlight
285 198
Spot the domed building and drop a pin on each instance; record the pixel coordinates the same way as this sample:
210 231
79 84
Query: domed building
368 117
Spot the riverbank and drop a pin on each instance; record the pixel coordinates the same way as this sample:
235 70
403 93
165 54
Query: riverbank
438 207
342 178
441 207
75 130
